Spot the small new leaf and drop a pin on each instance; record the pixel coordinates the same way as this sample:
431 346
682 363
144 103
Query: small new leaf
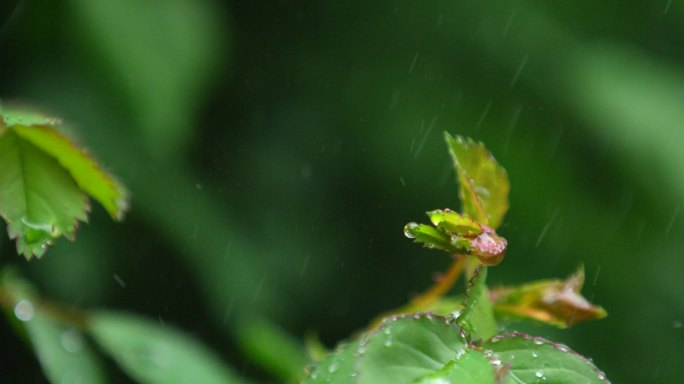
555 302
432 238
483 183
456 233
450 221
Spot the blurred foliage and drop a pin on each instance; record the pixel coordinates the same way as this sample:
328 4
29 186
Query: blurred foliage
274 151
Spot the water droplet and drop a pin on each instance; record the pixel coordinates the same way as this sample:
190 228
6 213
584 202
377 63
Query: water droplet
388 342
72 340
539 341
408 230
333 367
535 354
601 376
460 353
24 310
539 374
562 348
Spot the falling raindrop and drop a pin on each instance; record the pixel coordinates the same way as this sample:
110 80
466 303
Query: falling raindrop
413 63
119 281
519 70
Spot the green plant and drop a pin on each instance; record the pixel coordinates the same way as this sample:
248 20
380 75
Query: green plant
457 339
45 181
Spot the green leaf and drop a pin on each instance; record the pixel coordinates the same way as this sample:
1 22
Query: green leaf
154 354
43 177
337 368
483 183
63 352
433 238
555 302
469 367
535 360
408 348
457 233
402 350
477 317
90 178
451 222
23 115
38 198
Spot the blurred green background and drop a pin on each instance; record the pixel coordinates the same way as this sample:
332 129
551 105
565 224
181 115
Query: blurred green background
275 149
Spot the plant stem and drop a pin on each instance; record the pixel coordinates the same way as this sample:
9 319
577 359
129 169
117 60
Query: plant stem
441 286
64 314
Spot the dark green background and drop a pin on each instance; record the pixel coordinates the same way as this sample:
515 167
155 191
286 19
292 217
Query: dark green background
275 149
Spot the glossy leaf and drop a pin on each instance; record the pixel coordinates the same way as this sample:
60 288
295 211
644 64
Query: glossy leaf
555 302
402 350
152 353
63 352
455 233
469 367
483 183
39 200
338 368
454 223
477 317
432 238
527 359
408 348
11 115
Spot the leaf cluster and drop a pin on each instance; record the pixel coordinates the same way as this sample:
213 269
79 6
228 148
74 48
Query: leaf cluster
463 344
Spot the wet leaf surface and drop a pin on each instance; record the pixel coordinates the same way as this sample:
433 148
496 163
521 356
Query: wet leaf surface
483 183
